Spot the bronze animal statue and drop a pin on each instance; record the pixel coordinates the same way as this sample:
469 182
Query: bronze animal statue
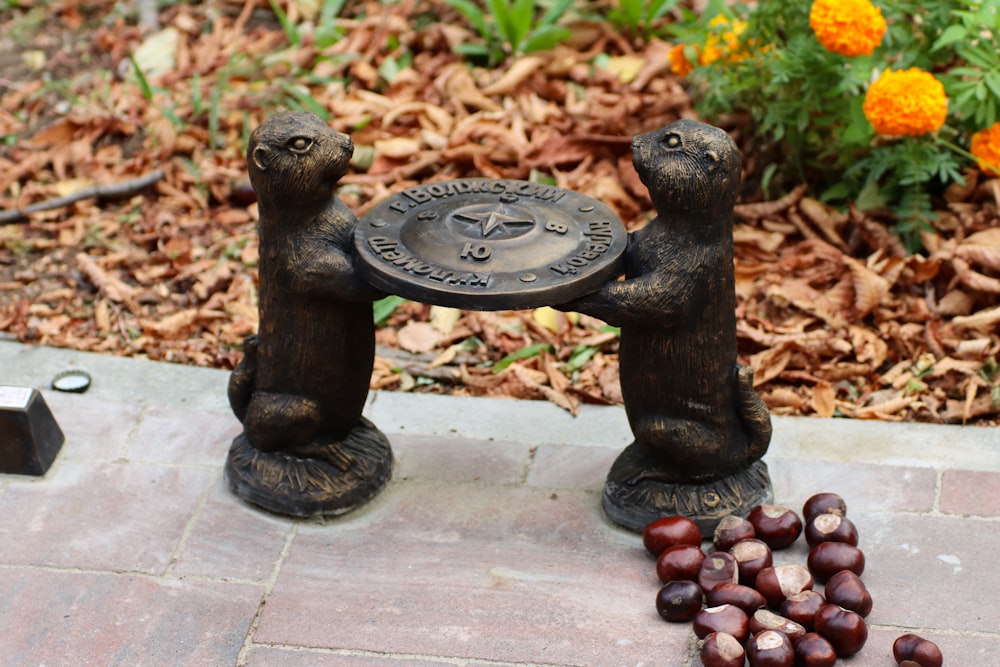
700 428
303 381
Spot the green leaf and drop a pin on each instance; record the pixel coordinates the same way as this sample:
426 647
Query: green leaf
383 308
546 37
954 33
524 353
581 355
473 14
291 32
555 12
147 90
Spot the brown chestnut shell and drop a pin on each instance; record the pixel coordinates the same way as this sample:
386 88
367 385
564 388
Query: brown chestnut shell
721 649
848 591
681 561
812 650
828 558
770 649
776 525
669 531
824 503
830 528
679 601
746 598
844 629
730 530
723 618
918 651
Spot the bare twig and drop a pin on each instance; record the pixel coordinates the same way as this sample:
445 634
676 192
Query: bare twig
112 191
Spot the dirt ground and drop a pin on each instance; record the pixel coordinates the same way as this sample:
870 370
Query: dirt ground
146 243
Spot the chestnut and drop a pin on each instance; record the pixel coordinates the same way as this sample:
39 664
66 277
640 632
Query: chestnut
751 556
730 530
831 528
682 561
828 558
738 595
764 619
802 608
770 649
844 629
724 618
824 503
721 649
783 581
717 568
670 531
912 650
848 591
776 525
679 601
811 650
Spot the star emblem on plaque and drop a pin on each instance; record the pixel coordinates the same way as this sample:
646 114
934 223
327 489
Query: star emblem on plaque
489 244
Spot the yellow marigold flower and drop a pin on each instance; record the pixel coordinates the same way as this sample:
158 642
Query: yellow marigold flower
906 103
848 27
985 145
724 42
679 64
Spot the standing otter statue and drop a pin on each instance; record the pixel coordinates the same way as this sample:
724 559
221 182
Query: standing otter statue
700 428
302 383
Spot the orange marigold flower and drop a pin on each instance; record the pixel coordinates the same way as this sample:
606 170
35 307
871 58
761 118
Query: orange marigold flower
906 103
679 64
985 145
848 27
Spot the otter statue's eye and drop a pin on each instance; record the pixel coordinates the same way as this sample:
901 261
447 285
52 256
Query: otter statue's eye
672 140
300 144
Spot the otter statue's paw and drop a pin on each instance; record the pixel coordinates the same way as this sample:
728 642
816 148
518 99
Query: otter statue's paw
320 478
635 494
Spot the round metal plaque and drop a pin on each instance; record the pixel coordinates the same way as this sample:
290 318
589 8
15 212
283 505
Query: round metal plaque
490 244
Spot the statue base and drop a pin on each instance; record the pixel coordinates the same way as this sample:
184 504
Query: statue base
634 503
324 479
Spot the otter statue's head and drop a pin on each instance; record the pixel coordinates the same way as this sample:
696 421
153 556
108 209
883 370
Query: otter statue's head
294 159
688 168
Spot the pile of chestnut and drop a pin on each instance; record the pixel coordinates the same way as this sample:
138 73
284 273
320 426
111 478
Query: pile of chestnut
743 607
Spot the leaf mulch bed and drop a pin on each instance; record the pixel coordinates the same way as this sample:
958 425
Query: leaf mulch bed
834 316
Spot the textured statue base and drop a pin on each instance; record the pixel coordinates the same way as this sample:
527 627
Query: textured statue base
633 497
333 479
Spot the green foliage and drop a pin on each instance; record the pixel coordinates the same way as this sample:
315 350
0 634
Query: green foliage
383 308
639 17
805 103
525 352
512 28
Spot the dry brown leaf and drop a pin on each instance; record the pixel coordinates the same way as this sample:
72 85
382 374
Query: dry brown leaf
824 400
515 75
769 364
869 287
419 337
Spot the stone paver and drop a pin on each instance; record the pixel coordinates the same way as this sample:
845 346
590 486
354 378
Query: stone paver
120 620
487 549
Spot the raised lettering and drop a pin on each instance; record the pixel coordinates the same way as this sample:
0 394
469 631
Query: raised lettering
417 194
477 251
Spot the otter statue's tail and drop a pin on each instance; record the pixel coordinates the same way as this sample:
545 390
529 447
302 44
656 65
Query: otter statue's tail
243 378
753 411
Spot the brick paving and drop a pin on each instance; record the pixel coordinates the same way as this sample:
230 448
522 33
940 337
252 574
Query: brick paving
487 548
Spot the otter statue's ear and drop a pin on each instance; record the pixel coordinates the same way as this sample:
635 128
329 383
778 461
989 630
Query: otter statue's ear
260 157
714 157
